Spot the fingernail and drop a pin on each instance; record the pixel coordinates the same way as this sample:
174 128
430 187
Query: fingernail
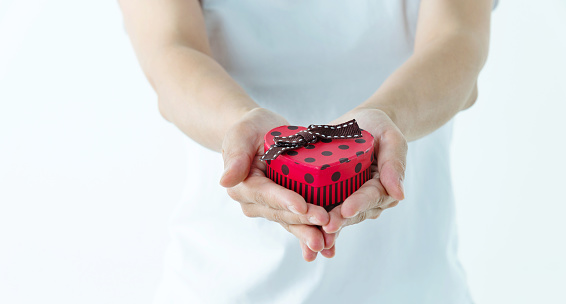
308 245
401 187
224 173
292 209
314 220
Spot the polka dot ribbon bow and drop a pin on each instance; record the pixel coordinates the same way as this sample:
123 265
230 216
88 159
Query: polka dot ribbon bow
349 129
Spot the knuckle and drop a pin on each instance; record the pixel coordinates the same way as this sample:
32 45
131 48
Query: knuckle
375 214
393 204
404 144
277 217
268 199
362 216
304 219
401 165
374 194
260 197
375 197
248 210
285 225
234 193
374 183
380 201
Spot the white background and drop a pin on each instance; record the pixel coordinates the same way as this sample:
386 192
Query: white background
89 171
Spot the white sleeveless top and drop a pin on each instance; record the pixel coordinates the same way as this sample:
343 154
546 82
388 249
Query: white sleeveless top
324 57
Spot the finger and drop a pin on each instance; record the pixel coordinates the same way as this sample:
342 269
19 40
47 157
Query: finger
390 205
239 147
329 238
391 162
317 215
329 253
362 216
308 255
336 221
329 243
309 235
277 215
303 234
370 195
263 191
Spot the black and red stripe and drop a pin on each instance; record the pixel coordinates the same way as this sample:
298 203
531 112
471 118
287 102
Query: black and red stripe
327 196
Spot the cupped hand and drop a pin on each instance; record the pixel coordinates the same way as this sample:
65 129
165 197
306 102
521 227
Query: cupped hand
385 188
259 196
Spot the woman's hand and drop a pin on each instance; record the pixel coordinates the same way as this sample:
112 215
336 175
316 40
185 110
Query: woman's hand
258 195
385 188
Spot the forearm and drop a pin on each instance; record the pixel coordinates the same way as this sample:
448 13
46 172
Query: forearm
439 79
432 86
194 91
197 94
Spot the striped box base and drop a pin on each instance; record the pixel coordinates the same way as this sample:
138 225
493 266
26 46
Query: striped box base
328 196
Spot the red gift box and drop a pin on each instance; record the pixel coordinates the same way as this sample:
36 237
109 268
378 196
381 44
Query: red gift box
325 172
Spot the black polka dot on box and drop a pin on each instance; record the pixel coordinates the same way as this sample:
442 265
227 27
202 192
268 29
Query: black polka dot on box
335 176
309 178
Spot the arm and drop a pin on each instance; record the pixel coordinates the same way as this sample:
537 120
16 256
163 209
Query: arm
433 85
170 41
440 79
203 101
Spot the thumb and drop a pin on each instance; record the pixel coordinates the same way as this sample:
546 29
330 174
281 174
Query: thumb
391 160
239 148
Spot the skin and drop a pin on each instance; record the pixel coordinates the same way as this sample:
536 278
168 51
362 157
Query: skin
197 95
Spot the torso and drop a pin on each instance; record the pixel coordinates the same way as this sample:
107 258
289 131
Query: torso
310 54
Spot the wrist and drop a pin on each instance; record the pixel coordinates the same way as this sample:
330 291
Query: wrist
258 121
389 111
376 120
364 113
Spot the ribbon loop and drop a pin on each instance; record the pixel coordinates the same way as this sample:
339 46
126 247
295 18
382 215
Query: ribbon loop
346 130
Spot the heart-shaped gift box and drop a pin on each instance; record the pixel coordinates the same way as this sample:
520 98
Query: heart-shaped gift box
326 170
